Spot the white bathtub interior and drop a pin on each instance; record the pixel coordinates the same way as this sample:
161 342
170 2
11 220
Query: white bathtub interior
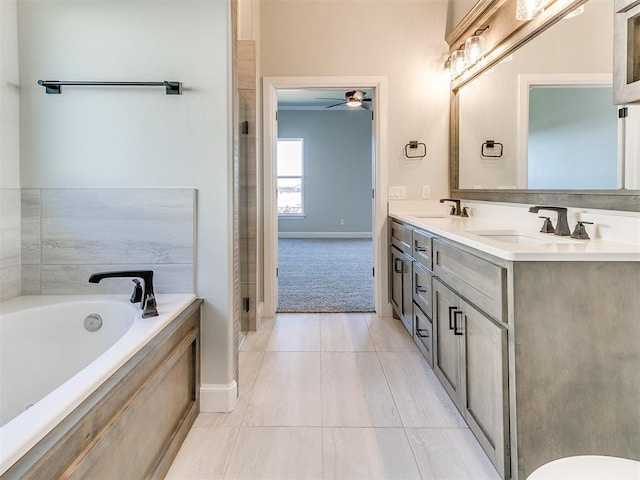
53 364
56 348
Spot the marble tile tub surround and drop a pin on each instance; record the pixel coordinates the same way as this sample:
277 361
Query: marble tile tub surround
610 225
68 234
9 243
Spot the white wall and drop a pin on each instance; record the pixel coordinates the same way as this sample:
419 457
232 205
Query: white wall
402 40
95 137
9 115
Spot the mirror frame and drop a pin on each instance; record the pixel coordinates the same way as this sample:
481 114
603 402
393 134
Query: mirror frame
505 35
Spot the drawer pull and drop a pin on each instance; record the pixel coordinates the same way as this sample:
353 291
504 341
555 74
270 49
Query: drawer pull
451 310
395 265
421 249
420 289
419 332
455 323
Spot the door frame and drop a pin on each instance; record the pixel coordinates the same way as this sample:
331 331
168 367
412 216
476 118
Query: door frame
270 87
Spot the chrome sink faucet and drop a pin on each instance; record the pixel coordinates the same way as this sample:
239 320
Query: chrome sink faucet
144 295
562 226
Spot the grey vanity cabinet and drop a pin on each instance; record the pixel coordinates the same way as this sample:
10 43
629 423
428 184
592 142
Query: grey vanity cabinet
471 362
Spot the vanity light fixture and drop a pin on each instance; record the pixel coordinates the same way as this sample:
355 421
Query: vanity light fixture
458 64
447 68
529 9
474 47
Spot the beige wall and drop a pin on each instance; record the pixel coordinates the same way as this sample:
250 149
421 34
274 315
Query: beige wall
402 40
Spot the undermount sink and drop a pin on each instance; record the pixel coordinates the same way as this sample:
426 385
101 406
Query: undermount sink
515 236
429 215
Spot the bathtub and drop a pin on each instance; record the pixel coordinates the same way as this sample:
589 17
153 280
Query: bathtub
50 363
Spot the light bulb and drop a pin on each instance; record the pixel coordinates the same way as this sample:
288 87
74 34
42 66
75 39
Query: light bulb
528 9
457 63
473 49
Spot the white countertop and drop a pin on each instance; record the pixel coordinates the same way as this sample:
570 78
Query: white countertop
561 249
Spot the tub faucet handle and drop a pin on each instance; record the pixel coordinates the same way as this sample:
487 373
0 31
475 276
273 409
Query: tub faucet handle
149 308
136 296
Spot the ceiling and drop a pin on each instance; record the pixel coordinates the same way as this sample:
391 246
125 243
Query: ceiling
298 99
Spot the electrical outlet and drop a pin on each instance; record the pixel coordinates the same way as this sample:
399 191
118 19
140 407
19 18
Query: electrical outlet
426 191
342 221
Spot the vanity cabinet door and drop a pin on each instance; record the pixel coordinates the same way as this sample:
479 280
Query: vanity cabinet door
447 353
401 287
485 403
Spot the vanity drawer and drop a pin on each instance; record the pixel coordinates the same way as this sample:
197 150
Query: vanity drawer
422 288
424 333
422 248
479 281
401 236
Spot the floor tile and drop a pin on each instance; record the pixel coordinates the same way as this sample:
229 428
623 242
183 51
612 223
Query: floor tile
296 332
389 334
367 453
249 366
277 453
257 341
286 391
344 332
419 396
355 392
450 454
204 454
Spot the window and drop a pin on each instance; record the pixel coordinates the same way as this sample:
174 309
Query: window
289 171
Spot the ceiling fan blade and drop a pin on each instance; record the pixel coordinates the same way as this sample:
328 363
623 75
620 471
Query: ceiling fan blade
365 106
335 105
349 94
365 100
358 95
327 98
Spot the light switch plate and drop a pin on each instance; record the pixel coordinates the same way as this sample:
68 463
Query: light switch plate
426 191
398 193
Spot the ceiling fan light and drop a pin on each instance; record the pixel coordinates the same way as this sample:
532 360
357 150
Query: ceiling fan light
353 102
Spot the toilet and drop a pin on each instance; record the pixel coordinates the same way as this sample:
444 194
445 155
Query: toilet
588 467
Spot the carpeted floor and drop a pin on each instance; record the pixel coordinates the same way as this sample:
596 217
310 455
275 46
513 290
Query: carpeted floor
325 275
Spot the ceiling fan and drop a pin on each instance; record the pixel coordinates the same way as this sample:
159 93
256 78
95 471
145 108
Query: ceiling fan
353 98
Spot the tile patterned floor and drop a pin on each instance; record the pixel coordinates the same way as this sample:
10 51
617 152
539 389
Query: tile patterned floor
333 396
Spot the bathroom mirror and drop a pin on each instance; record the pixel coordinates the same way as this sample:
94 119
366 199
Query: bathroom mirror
540 126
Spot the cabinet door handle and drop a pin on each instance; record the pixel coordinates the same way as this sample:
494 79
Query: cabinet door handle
451 310
455 323
420 289
419 332
420 249
395 265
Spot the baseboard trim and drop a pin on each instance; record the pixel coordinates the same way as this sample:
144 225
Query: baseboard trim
218 397
325 235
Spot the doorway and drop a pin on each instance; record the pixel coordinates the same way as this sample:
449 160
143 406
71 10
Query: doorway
271 87
324 169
